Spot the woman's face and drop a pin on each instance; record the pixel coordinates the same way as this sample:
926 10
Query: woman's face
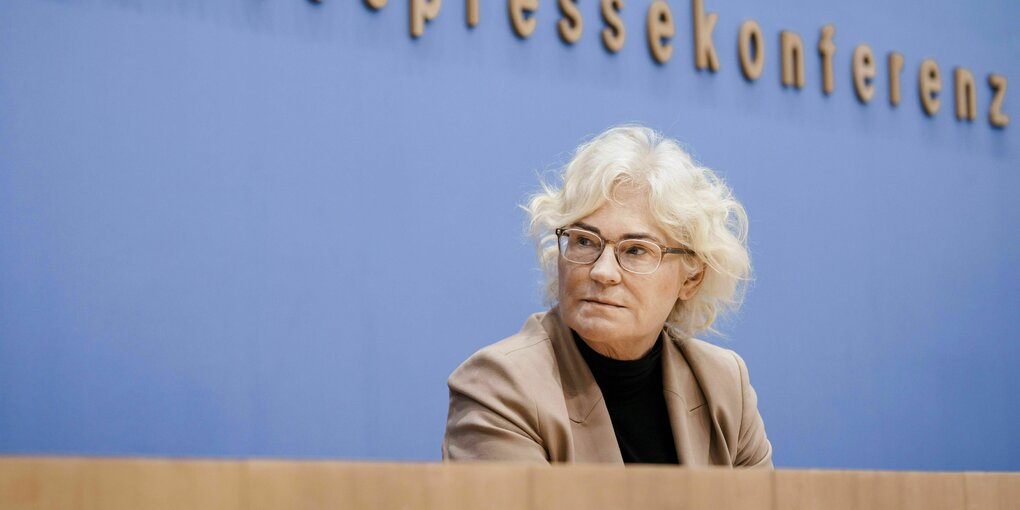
617 312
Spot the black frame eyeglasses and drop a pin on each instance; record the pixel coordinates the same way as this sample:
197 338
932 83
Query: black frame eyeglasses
638 256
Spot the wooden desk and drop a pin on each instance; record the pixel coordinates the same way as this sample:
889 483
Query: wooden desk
148 484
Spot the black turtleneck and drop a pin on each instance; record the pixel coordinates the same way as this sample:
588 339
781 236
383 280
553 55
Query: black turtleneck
637 407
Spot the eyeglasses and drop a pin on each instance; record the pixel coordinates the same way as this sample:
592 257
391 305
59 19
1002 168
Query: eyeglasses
638 256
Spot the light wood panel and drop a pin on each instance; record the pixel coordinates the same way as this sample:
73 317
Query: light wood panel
30 483
999 491
87 484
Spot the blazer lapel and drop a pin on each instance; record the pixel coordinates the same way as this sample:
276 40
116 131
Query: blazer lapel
685 404
594 439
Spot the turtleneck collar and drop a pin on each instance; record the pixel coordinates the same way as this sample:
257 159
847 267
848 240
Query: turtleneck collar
623 378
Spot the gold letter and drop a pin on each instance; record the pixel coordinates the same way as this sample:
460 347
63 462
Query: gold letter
995 115
472 13
826 48
523 26
792 56
570 25
660 26
704 48
864 72
613 35
929 83
895 68
376 4
750 33
966 96
422 11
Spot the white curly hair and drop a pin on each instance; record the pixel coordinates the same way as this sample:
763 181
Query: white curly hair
689 201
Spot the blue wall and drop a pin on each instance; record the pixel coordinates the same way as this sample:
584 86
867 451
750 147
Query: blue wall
273 228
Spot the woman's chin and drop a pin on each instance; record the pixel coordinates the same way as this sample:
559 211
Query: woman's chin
595 329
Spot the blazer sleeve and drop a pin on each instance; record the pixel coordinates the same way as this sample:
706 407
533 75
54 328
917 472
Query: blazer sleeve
491 418
753 446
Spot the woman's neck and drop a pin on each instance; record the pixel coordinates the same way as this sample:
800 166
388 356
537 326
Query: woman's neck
622 350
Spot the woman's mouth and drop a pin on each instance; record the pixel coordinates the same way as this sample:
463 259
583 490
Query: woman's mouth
603 302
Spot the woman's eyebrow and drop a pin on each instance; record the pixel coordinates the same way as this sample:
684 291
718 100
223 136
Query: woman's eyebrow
630 235
586 226
640 235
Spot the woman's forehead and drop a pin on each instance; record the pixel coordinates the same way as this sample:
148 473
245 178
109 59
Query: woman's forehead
625 214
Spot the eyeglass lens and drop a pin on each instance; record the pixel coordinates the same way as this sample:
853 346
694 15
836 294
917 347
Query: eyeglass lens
583 247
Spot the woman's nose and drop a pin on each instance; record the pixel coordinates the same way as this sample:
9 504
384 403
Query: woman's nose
606 270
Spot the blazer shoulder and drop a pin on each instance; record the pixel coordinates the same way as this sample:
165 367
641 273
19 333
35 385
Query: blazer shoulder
721 372
497 396
733 402
518 358
710 356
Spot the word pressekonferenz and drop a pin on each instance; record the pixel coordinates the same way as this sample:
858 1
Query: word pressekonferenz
660 29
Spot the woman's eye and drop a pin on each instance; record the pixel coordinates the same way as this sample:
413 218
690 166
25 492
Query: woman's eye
584 241
636 251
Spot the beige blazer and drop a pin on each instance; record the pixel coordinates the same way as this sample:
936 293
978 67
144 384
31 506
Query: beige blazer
531 397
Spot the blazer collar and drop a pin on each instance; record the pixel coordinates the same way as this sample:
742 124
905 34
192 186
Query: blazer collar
594 439
678 379
580 390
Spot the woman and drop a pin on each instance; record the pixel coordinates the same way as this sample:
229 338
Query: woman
641 248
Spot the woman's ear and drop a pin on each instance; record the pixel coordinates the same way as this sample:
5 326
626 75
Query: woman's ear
692 284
